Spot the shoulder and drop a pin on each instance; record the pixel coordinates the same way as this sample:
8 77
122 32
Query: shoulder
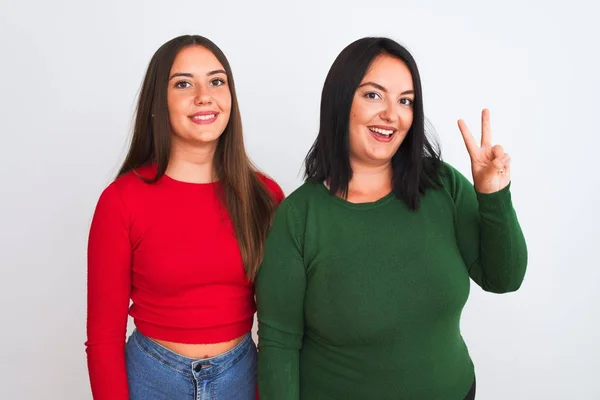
136 179
272 186
127 188
453 181
110 206
291 215
303 196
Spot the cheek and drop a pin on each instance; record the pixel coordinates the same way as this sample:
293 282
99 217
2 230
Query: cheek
359 113
357 118
407 119
176 106
224 101
360 116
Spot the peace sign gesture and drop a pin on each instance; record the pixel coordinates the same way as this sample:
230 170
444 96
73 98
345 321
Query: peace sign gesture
490 165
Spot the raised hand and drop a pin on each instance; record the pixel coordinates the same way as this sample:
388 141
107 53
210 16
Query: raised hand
490 165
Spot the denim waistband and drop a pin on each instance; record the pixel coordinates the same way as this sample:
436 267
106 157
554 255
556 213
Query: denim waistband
186 365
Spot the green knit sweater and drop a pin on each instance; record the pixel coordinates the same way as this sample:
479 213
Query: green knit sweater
363 301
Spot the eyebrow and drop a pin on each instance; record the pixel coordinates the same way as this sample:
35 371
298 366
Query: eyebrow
188 75
378 86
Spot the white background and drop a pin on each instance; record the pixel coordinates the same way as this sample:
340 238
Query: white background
69 76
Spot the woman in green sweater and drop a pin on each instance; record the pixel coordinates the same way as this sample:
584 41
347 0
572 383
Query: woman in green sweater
368 264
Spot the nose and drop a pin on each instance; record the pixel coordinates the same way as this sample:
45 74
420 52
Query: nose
389 113
203 96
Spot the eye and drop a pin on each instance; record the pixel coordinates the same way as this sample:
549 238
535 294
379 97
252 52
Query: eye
183 85
406 101
372 95
217 82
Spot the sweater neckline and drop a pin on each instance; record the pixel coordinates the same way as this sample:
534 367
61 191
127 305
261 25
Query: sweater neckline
149 170
189 184
324 191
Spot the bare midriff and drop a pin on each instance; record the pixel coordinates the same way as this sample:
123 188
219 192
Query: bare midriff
200 351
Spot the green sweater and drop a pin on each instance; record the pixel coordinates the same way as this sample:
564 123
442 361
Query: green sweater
363 301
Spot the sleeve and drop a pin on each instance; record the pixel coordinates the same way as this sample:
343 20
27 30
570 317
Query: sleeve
489 236
280 288
109 288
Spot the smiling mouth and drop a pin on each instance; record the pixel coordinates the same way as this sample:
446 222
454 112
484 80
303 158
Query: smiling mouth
204 118
382 133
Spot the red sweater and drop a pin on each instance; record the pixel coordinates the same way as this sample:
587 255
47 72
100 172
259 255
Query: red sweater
170 248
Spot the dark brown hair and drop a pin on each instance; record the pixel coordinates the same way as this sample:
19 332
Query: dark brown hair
247 200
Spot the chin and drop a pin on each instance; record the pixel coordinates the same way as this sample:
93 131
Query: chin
207 140
206 136
380 158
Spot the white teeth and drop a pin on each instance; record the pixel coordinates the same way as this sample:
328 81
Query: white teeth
204 117
386 132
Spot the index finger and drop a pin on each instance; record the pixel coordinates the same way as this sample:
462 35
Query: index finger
467 137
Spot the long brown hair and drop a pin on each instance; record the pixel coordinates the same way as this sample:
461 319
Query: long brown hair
247 200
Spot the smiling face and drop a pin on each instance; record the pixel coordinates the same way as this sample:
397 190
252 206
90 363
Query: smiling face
381 112
198 98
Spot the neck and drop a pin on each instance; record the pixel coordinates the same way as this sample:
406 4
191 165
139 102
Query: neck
370 181
192 164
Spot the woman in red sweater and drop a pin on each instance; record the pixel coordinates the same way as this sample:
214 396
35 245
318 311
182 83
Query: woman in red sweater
180 234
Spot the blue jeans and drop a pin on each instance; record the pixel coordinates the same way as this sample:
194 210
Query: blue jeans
155 372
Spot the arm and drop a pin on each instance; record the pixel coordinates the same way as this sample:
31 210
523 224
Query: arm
109 287
488 232
280 288
489 236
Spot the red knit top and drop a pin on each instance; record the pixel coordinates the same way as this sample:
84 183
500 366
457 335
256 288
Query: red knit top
170 248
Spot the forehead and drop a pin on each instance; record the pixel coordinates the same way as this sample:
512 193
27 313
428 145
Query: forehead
390 72
195 58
